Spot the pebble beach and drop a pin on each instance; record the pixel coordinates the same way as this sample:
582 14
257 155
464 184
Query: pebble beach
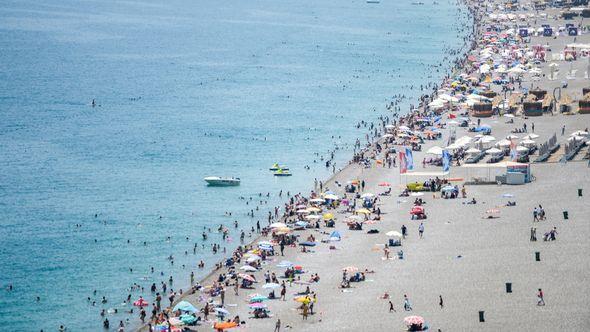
475 266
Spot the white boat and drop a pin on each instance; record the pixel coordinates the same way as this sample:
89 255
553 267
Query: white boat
216 181
373 1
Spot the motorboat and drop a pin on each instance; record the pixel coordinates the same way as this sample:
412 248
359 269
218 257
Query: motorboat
282 172
276 167
216 181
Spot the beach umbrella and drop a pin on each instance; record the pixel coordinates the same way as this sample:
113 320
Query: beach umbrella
224 325
328 216
417 210
314 209
528 142
335 236
185 306
579 133
270 285
188 319
301 206
300 211
277 225
253 258
393 234
416 194
303 223
221 311
511 136
307 244
472 150
447 188
494 151
248 268
175 321
503 143
367 195
363 211
265 243
521 149
303 299
388 136
414 320
258 298
384 184
317 200
435 150
492 212
257 305
404 128
350 269
531 136
311 217
246 277
452 123
331 197
488 139
507 195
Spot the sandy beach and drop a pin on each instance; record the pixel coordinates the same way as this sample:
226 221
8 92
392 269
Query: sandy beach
463 257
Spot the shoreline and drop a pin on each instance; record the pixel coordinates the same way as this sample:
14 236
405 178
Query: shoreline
458 62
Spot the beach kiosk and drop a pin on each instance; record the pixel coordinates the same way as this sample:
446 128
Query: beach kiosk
534 108
482 110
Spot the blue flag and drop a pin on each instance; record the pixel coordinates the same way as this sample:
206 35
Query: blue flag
409 159
446 161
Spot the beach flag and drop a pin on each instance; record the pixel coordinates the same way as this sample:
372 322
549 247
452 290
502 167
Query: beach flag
402 163
409 159
446 161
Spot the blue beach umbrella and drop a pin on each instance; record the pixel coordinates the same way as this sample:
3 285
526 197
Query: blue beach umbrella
185 306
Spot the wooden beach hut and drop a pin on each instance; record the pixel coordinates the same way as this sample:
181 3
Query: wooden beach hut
532 108
482 110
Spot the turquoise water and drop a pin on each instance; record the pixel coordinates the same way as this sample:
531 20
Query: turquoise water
184 90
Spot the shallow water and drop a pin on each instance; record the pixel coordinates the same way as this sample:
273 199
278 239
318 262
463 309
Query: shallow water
186 89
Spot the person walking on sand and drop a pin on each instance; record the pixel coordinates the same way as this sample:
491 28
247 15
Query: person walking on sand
533 234
421 230
391 308
404 231
283 291
278 326
407 305
305 311
440 302
535 215
540 297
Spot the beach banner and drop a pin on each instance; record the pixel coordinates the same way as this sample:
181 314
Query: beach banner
446 161
402 163
409 159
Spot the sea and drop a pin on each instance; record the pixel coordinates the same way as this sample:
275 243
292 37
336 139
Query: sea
94 196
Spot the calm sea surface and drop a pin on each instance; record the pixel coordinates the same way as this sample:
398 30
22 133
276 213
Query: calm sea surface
184 90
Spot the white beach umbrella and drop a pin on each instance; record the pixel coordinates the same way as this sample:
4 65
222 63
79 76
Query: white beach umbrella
393 234
531 136
579 133
248 268
277 225
511 136
488 139
503 143
472 151
509 115
528 142
435 150
494 151
367 195
521 149
404 128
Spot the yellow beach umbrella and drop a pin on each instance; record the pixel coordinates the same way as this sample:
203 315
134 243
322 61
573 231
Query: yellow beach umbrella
328 216
363 211
314 209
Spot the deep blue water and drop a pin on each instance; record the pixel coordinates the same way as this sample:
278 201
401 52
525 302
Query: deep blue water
186 89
